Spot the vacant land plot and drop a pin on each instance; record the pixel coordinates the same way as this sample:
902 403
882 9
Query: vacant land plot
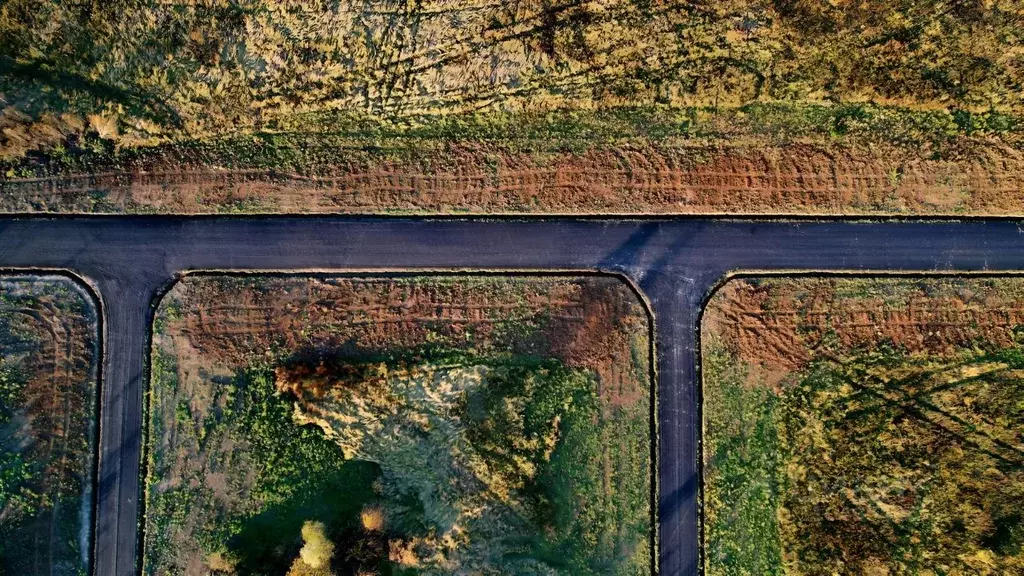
759 106
48 372
864 426
399 425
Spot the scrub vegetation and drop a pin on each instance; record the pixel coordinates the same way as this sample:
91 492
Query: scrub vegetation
496 443
258 105
855 450
48 373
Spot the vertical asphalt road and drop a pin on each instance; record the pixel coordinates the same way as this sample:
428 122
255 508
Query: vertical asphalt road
676 263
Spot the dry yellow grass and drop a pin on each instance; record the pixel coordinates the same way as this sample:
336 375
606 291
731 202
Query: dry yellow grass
301 106
372 518
317 549
145 71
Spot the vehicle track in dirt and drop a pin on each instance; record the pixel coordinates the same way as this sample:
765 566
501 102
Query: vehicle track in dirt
54 343
670 180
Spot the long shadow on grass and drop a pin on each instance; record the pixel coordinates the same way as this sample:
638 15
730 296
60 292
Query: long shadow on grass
270 542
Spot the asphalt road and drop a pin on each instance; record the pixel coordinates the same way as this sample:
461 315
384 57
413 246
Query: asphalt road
675 263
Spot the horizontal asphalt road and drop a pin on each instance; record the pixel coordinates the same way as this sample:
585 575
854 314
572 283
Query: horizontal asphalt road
675 263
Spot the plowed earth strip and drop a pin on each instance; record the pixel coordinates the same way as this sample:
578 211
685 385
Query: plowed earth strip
799 179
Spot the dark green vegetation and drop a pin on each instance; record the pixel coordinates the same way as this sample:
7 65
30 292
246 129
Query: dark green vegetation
48 356
298 475
743 483
878 463
16 471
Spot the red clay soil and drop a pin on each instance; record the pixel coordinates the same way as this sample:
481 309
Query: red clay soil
592 323
689 178
780 323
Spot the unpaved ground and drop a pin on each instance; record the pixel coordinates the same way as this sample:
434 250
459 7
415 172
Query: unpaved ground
210 329
781 323
87 90
868 426
49 339
592 323
634 178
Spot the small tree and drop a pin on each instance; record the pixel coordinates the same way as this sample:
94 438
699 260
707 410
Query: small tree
372 518
316 553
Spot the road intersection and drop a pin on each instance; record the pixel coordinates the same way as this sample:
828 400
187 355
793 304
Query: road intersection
674 263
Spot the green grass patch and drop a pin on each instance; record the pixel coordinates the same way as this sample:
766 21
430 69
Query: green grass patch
561 515
317 143
876 463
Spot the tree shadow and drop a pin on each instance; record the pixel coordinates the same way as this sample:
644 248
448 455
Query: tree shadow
48 75
269 542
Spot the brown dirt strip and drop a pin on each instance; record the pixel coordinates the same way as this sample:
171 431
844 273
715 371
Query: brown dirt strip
589 322
795 179
779 324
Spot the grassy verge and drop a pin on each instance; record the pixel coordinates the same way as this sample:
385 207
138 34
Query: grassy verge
320 143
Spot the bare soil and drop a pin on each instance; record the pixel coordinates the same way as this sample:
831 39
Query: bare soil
589 322
209 328
687 178
780 323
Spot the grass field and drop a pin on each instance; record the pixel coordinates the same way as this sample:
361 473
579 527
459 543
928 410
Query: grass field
48 370
506 431
301 106
858 426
